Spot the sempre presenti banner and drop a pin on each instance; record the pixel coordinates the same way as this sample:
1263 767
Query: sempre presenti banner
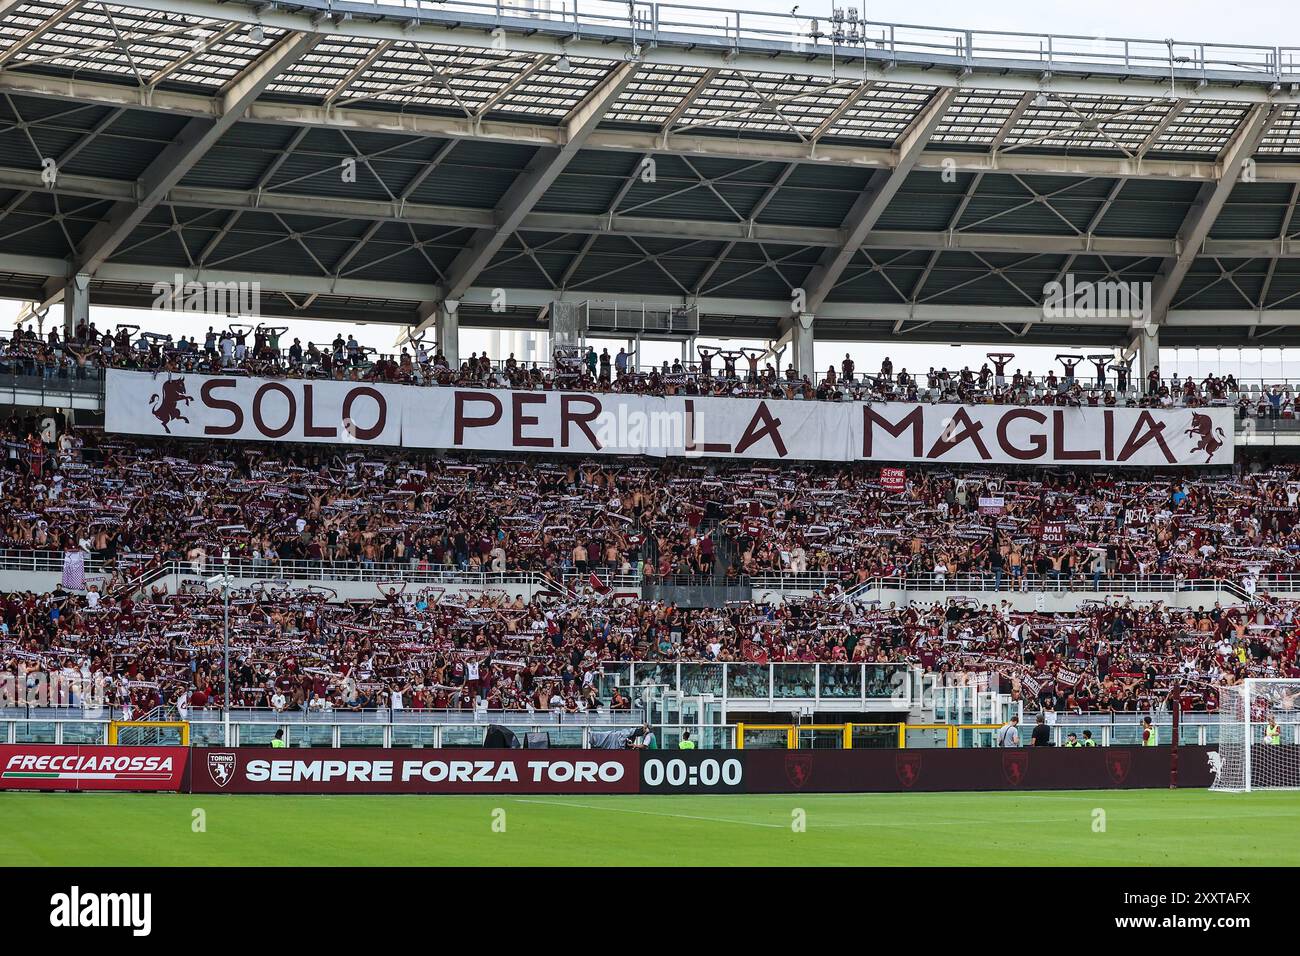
363 413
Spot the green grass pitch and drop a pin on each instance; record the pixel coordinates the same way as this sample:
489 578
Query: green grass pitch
1142 828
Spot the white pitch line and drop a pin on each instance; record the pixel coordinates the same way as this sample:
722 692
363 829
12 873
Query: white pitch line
882 824
653 813
983 822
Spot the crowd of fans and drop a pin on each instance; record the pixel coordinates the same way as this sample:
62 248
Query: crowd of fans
746 372
134 504
297 650
131 504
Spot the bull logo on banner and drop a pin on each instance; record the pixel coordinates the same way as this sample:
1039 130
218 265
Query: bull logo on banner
798 770
907 767
1208 443
221 767
168 409
1118 763
1015 766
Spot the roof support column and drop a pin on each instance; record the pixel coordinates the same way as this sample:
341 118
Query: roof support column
76 304
866 211
564 328
447 332
1209 202
801 342
796 332
190 146
544 168
1145 346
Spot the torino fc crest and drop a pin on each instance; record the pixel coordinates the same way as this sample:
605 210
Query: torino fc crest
798 770
1015 765
907 767
221 767
1117 765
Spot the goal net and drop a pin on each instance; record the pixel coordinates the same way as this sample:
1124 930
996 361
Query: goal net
1259 746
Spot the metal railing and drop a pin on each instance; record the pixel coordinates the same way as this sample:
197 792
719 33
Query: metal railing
671 23
1028 581
773 686
1107 730
377 572
1125 730
380 573
17 388
21 385
331 732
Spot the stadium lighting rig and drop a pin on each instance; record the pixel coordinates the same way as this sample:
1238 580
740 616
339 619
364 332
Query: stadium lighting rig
847 27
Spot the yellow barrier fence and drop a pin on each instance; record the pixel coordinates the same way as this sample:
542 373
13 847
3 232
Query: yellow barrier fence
952 733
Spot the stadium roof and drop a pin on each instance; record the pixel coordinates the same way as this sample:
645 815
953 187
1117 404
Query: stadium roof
918 183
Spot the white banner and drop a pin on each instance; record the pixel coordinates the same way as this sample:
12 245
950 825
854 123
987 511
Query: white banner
254 409
1042 435
200 406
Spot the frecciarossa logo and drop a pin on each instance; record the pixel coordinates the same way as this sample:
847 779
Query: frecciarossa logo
91 767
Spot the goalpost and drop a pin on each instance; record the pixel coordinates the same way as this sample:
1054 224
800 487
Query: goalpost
1259 736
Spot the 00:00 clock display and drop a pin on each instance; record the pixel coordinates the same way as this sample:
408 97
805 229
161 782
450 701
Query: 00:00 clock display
676 773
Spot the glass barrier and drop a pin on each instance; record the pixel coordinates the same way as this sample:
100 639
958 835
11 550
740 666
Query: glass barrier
875 736
1126 735
205 734
313 735
34 732
795 680
976 736
655 674
707 733
840 681
715 738
926 738
820 738
885 680
256 735
698 679
767 738
368 735
748 681
414 735
78 733
468 736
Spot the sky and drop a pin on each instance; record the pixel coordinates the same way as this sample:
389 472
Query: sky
1262 22
1257 22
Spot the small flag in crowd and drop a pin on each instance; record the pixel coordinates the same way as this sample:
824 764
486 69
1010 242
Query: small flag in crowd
74 570
600 586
